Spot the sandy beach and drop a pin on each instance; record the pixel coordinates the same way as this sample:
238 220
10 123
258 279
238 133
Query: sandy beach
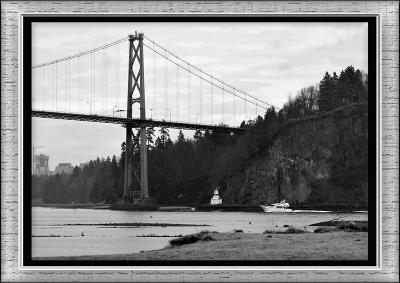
338 245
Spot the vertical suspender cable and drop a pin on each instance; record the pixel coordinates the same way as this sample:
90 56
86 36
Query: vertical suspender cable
91 81
223 108
245 109
117 71
104 82
165 87
201 99
188 97
234 110
190 94
43 86
103 79
212 119
94 82
177 92
79 75
56 84
35 87
116 76
69 86
155 85
154 82
65 88
256 111
106 78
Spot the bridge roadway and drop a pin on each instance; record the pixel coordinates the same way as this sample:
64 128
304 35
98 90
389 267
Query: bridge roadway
134 122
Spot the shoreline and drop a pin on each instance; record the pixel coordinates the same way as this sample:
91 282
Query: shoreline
336 245
206 208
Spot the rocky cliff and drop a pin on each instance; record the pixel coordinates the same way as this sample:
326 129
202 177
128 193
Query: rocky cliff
319 161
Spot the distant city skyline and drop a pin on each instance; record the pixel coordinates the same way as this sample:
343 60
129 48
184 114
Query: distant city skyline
73 165
268 60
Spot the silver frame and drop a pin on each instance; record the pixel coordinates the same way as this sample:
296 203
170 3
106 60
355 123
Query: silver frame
388 272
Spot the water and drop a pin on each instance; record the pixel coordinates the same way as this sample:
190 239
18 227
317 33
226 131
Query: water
98 240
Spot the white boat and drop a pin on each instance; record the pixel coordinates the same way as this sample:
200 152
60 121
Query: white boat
282 206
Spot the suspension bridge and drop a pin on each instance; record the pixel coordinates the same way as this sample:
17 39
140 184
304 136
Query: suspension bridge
107 84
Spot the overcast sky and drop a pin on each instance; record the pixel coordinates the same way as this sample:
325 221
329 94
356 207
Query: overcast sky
267 60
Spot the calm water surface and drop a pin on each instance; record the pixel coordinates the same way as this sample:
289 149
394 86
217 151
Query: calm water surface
95 240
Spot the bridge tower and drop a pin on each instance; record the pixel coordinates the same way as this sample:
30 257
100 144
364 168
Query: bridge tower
136 87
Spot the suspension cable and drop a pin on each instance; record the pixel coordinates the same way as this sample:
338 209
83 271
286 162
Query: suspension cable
82 53
200 70
197 75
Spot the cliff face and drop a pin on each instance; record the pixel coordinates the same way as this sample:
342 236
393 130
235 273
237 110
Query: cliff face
321 160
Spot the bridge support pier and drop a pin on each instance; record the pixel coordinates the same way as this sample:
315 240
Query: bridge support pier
128 165
136 82
144 186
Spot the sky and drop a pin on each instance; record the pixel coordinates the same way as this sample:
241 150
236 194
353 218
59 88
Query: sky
269 61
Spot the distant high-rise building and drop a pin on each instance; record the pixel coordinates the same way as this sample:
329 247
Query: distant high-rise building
40 165
63 168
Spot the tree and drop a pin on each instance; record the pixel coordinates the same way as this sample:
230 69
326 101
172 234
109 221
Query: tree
181 137
351 87
164 140
325 93
335 97
198 136
149 137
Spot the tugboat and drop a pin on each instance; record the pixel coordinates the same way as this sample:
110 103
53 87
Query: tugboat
216 199
282 206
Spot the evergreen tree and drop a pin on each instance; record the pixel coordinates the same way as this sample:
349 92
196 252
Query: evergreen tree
150 137
325 93
181 137
335 98
198 136
165 139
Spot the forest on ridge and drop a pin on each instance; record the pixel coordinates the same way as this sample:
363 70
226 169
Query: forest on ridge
184 171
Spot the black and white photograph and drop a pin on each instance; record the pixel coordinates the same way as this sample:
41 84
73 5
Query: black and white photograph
202 142
199 141
212 141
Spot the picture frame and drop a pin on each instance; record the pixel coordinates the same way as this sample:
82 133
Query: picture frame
189 273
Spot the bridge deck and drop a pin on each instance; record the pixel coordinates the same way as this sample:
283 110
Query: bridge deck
134 122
